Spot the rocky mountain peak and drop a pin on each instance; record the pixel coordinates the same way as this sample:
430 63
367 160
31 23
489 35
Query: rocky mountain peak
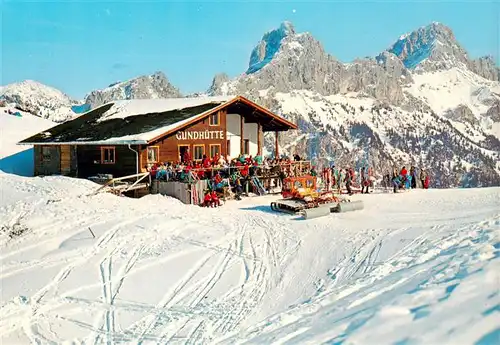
435 47
155 85
485 67
269 46
286 60
218 82
429 47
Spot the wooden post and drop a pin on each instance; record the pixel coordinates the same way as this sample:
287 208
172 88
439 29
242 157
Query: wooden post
259 142
225 144
276 149
242 125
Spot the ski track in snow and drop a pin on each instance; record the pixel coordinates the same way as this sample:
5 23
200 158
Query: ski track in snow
161 272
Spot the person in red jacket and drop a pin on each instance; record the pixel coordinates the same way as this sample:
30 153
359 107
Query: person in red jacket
218 179
186 158
199 171
153 171
403 174
207 200
215 159
245 171
206 162
215 199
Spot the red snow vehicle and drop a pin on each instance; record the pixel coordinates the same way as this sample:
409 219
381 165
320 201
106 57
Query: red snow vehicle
300 195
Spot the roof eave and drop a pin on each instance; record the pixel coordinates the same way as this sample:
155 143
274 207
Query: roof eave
277 117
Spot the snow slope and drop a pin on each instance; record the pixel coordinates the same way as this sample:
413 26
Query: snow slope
445 90
14 158
161 272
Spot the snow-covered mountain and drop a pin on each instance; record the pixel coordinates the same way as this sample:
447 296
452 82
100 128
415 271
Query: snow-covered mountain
50 103
40 100
421 101
149 86
434 47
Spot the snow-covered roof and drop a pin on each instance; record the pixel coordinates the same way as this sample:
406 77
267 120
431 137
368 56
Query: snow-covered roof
134 107
139 121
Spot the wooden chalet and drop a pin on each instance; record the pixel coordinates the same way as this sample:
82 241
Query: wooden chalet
122 137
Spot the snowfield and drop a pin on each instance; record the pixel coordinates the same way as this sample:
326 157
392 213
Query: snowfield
421 267
18 159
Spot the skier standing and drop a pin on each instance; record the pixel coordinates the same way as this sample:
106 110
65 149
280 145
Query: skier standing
364 181
348 181
413 175
422 177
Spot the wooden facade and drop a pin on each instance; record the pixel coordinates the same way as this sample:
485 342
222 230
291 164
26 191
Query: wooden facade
84 160
202 138
230 129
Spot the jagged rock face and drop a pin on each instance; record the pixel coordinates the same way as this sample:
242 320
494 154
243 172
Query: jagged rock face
285 61
463 114
300 64
485 96
494 112
485 67
144 87
267 48
434 47
431 47
218 83
394 67
374 79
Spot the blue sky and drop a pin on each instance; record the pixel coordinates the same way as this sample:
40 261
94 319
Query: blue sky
78 46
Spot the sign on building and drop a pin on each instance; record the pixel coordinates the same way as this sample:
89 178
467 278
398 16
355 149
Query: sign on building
200 135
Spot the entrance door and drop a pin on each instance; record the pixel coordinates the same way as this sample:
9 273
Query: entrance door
182 151
65 159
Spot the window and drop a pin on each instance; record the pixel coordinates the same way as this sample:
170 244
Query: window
108 155
199 151
214 150
246 146
183 149
214 119
46 153
153 154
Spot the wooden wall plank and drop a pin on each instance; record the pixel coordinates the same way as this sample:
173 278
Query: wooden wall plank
169 146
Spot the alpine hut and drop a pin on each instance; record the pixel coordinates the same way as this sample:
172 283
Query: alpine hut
121 137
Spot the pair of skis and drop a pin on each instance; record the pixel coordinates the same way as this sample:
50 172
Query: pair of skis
257 184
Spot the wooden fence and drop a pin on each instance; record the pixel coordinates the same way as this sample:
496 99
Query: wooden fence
186 193
125 184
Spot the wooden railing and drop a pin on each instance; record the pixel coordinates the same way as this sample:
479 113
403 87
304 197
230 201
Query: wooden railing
286 166
127 186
